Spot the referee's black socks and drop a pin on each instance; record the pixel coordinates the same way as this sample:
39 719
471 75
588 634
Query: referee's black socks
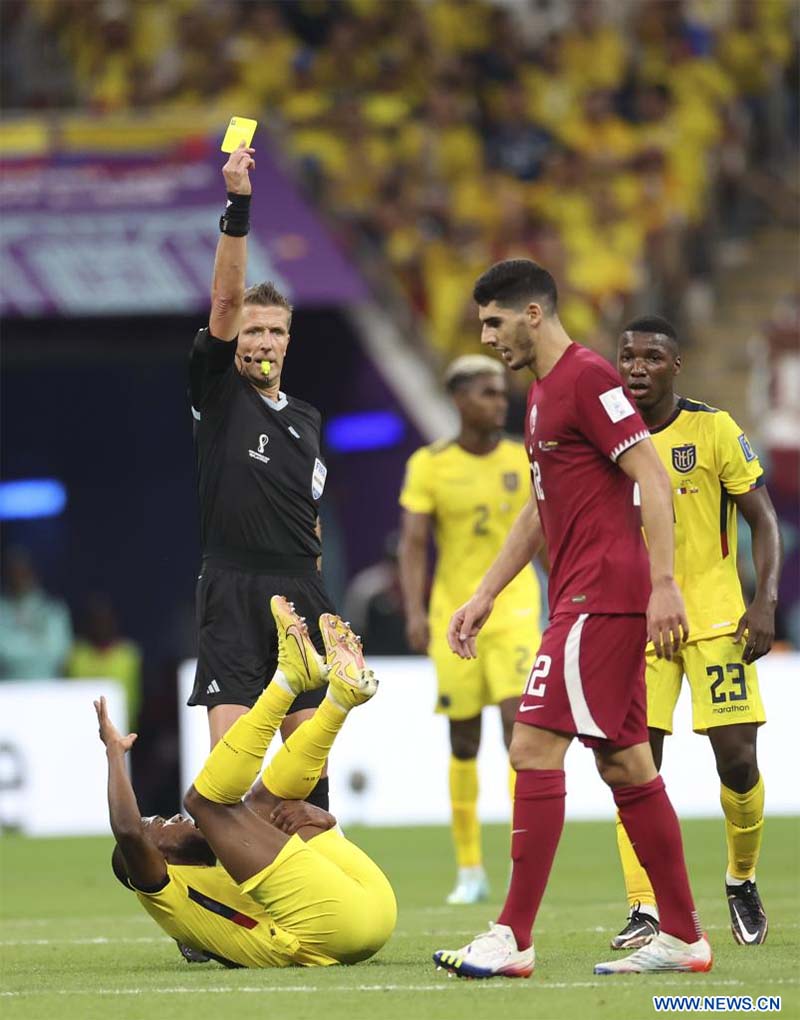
319 796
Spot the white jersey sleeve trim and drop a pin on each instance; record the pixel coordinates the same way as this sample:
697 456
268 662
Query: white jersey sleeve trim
620 448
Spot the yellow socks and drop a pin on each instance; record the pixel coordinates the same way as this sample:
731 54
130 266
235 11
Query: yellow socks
295 769
512 785
236 759
464 803
637 884
744 822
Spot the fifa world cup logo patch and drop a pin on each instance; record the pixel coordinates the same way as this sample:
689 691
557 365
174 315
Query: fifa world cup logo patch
684 458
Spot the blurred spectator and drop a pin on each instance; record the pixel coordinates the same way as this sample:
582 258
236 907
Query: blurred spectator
373 604
100 651
514 145
775 392
35 629
637 135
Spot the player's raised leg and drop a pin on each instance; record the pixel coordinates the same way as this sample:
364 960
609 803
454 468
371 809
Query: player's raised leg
350 683
237 758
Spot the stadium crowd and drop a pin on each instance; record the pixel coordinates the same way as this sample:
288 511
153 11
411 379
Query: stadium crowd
611 142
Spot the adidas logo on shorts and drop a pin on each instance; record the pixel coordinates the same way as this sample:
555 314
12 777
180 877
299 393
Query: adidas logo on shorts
213 688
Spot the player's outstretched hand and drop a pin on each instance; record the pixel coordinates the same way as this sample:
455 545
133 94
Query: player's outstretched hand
109 733
465 624
667 623
757 629
291 815
237 170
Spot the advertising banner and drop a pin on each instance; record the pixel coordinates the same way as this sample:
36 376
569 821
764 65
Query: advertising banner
53 768
108 235
389 766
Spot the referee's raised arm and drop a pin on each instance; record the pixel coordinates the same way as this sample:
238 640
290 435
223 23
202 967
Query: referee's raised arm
230 262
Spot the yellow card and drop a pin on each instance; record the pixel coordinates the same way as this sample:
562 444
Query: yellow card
239 130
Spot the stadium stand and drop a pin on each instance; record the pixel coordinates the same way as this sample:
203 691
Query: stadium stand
616 143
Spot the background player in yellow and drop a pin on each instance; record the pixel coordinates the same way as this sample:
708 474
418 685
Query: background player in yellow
266 881
469 490
714 472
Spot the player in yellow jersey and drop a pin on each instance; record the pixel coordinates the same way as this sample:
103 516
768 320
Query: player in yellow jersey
469 490
714 472
264 881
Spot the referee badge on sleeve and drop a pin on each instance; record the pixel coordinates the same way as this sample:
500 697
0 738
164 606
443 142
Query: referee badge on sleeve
318 478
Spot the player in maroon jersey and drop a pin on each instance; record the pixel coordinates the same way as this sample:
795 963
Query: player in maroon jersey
596 479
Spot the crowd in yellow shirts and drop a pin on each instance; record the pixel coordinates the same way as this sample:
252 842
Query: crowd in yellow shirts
452 133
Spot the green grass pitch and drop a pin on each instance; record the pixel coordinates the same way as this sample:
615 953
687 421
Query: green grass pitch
76 946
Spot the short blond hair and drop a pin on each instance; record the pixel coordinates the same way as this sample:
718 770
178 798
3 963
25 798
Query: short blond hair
468 367
267 295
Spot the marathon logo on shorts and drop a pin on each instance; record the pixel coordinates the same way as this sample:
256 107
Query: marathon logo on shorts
318 477
510 481
684 458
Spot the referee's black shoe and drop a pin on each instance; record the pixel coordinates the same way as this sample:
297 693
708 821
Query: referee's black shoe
639 930
748 920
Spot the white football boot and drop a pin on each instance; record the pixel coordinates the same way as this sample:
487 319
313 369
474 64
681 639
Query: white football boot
492 954
663 952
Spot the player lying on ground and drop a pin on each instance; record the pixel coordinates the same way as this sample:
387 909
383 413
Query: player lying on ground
262 880
714 472
607 593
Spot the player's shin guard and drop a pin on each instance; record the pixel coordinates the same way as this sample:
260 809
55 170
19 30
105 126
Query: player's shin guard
744 824
236 759
637 884
295 769
464 807
538 822
651 823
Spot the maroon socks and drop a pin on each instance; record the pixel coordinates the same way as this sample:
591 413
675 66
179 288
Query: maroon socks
653 829
538 820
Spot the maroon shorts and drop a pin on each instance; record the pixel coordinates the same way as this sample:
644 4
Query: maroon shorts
588 679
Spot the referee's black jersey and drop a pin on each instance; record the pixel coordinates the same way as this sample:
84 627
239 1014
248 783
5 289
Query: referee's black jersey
260 473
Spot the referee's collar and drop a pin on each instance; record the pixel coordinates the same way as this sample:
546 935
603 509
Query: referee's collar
278 404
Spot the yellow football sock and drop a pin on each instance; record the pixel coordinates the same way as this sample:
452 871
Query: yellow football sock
637 884
236 759
294 771
744 823
512 784
464 804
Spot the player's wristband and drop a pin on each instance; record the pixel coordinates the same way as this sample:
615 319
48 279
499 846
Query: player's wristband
235 221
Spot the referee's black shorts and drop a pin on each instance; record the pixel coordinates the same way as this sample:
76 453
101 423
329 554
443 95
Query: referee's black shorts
237 651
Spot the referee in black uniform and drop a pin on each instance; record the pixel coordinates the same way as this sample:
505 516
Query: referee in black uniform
260 478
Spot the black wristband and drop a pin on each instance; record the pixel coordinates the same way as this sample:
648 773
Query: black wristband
235 221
